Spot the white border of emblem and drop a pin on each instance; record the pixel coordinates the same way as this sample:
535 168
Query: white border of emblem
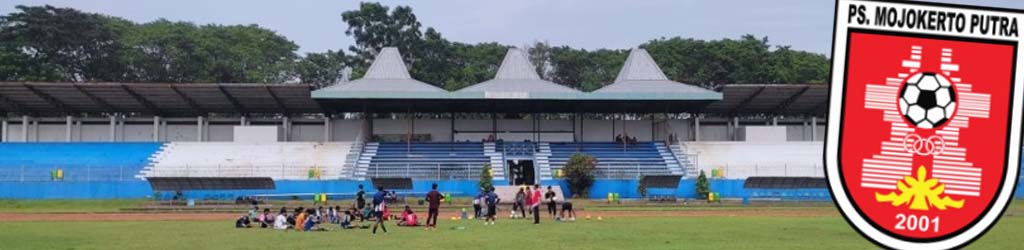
838 75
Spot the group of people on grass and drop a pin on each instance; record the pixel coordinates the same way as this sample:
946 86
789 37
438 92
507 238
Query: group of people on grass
313 219
485 206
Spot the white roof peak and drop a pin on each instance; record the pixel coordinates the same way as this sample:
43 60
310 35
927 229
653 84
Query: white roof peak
388 65
640 66
516 65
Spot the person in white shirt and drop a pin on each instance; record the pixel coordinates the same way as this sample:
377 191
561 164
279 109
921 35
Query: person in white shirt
281 222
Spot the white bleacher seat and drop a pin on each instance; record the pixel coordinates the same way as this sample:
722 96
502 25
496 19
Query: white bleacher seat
278 160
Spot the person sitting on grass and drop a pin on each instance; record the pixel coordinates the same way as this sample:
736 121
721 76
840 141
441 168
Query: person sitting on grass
265 218
243 221
281 221
346 220
408 218
300 218
312 221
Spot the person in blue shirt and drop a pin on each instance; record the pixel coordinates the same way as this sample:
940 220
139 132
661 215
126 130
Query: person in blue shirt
378 209
491 199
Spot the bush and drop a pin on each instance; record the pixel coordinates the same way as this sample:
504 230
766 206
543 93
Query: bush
702 186
486 180
579 172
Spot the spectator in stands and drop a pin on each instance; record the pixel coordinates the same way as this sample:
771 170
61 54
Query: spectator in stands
549 197
618 138
408 218
378 209
519 204
361 201
535 199
281 221
433 205
243 221
492 206
265 218
567 207
476 204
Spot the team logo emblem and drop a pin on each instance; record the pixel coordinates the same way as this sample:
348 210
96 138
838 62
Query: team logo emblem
923 141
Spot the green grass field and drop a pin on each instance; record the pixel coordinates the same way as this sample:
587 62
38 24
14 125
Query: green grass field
713 232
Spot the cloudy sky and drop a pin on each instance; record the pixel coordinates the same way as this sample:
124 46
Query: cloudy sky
316 25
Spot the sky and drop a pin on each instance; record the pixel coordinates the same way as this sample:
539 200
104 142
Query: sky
316 26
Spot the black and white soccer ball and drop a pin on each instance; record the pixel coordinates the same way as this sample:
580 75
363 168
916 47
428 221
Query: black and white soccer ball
927 100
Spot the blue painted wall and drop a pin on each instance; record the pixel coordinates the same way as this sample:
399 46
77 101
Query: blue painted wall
626 188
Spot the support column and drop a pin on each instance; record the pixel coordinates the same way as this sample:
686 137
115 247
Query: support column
327 128
163 126
199 128
736 129
113 128
67 128
696 128
24 128
156 128
451 134
814 128
494 125
574 117
35 131
3 131
78 130
286 123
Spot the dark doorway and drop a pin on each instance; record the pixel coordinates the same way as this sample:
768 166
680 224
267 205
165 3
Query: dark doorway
522 172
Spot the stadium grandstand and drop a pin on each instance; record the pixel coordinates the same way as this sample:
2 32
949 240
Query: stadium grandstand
105 140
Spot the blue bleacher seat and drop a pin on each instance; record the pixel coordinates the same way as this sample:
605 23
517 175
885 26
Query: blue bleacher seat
424 159
614 160
79 161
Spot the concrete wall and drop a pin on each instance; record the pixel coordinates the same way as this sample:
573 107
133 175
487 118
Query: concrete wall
744 159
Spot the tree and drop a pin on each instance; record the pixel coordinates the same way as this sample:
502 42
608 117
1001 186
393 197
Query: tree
61 44
374 28
486 179
322 69
579 172
703 187
164 51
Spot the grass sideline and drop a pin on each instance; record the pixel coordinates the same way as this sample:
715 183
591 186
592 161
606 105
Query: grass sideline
709 232
67 206
611 233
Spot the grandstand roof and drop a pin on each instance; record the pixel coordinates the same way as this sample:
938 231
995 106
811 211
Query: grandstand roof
641 75
387 77
190 99
771 99
516 77
167 99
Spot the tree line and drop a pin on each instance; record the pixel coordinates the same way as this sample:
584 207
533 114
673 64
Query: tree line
46 43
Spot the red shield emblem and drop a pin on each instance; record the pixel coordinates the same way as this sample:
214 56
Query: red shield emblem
923 138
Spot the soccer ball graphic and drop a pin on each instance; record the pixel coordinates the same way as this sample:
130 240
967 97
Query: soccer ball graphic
927 100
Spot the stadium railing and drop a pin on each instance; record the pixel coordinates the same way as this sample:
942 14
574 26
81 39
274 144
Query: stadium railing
76 174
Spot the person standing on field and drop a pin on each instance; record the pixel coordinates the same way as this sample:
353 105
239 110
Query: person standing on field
535 199
549 197
434 201
361 201
378 209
